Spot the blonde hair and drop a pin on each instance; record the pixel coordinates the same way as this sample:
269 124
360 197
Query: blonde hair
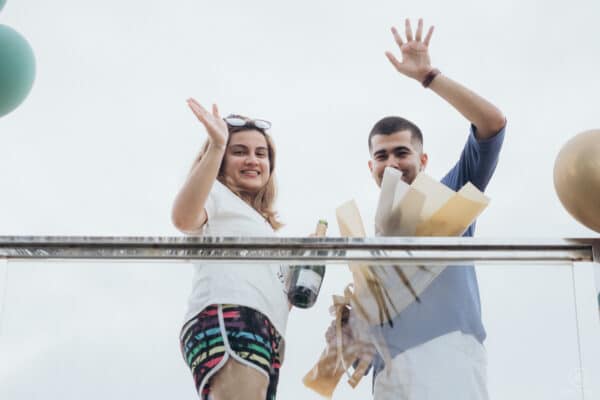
263 200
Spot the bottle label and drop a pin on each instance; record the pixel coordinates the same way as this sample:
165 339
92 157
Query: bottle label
309 279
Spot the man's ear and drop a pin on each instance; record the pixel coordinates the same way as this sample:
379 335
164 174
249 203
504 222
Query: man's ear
423 158
371 166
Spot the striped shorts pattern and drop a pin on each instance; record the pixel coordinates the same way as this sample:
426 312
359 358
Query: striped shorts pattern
250 336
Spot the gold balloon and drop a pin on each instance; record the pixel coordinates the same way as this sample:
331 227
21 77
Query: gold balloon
577 178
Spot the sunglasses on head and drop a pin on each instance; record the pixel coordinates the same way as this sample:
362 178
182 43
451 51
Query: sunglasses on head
234 120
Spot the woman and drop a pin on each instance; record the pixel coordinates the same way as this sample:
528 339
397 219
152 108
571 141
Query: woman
233 340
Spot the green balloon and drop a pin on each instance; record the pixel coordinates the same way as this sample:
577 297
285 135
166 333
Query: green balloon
17 69
2 2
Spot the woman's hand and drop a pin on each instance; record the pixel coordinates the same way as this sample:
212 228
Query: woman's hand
215 126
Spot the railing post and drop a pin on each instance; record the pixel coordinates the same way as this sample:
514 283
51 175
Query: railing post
588 329
3 289
596 258
596 251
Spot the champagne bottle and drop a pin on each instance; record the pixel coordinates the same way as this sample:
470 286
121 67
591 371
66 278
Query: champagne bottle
305 280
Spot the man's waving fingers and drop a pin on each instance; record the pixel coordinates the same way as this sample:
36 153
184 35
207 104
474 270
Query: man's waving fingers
397 37
419 33
428 36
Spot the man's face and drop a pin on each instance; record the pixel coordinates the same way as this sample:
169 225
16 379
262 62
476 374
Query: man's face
397 151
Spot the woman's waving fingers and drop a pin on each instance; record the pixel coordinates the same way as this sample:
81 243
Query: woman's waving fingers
215 112
214 124
199 111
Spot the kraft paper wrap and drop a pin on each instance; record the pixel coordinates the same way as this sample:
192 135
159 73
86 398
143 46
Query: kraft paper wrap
424 208
345 350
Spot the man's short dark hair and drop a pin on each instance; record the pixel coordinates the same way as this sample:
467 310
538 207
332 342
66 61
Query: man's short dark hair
391 125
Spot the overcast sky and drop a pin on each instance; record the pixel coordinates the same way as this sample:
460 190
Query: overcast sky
105 139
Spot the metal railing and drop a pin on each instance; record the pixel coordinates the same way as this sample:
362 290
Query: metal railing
576 332
405 250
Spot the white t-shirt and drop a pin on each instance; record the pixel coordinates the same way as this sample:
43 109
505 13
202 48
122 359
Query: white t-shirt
258 286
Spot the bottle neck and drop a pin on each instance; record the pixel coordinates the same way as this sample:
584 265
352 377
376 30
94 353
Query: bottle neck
321 230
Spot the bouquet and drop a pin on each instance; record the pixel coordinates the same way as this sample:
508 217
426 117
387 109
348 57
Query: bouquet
379 293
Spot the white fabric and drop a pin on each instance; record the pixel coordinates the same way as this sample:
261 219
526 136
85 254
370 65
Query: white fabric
258 286
452 366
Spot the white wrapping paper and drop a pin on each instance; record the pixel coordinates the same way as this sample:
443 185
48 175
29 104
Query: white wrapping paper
424 208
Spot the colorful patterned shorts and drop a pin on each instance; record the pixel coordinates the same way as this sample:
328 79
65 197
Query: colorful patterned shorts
222 331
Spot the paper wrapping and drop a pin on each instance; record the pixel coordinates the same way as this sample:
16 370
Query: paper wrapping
380 292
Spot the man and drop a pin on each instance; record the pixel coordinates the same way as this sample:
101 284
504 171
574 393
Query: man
436 345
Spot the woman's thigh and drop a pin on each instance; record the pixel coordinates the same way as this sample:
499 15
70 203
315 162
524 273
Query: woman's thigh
237 381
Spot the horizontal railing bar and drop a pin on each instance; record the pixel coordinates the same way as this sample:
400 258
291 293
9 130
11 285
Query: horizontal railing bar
299 250
412 242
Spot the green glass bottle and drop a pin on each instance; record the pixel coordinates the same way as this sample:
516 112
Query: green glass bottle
305 280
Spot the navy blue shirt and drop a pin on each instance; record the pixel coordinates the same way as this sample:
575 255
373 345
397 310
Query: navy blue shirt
451 302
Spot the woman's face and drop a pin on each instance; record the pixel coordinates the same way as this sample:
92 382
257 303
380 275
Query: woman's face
247 160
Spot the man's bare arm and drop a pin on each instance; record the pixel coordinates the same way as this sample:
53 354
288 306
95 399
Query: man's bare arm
486 117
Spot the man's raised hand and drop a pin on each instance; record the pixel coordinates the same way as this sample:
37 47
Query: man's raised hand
415 62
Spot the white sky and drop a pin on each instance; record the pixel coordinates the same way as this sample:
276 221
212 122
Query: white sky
104 140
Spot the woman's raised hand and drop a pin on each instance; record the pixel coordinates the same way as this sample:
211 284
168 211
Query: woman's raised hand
215 126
